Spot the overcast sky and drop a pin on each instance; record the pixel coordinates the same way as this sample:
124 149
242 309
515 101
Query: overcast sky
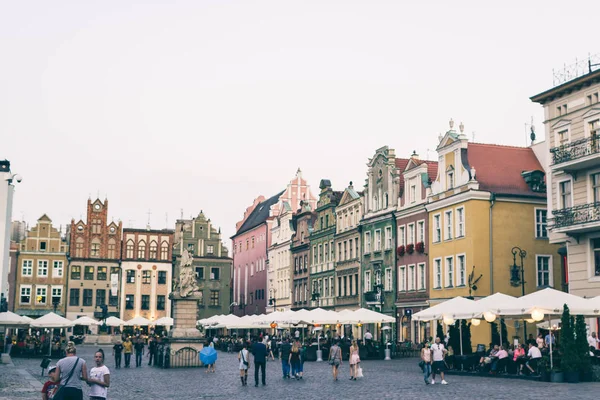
171 105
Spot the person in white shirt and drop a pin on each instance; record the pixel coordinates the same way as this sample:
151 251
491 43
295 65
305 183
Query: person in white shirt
593 341
368 335
438 351
99 378
534 355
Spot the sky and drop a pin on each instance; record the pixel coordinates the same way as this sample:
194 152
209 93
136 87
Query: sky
172 107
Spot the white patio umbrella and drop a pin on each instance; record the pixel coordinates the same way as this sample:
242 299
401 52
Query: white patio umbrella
491 305
139 321
87 321
164 321
366 316
456 308
14 320
114 321
51 320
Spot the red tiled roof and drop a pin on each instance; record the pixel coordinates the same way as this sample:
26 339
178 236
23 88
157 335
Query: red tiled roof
498 168
401 164
432 167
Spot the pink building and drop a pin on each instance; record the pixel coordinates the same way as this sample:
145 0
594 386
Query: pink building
251 242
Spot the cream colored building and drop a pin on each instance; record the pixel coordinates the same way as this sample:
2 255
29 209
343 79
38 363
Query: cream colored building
146 274
572 122
279 273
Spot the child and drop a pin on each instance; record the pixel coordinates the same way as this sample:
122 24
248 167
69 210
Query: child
99 379
50 386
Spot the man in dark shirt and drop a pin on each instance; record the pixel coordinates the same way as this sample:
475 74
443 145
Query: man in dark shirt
259 351
285 355
151 349
139 351
117 350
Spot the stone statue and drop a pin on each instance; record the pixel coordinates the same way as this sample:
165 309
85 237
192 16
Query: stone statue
187 277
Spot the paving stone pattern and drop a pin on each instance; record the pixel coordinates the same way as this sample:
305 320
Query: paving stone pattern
396 379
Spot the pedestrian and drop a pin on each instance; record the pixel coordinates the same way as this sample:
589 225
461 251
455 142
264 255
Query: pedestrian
99 378
438 366
139 352
335 359
211 367
151 349
243 358
426 360
259 351
302 359
72 370
294 360
284 356
51 386
117 351
354 360
127 350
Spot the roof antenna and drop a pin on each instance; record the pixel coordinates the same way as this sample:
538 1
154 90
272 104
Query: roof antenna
529 134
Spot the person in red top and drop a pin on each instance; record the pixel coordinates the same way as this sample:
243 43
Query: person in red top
50 386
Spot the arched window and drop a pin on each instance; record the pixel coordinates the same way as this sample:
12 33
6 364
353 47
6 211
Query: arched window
129 249
79 243
385 204
141 253
153 250
112 249
375 203
164 251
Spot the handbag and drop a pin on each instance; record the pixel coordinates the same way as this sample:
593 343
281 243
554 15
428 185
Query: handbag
59 395
359 373
422 364
243 359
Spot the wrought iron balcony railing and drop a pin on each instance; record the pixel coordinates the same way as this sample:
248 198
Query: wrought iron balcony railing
372 297
576 149
581 214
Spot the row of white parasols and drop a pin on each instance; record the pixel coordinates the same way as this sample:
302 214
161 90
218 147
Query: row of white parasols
52 320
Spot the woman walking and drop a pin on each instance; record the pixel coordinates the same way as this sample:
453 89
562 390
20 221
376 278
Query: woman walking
294 360
426 359
99 379
243 358
354 360
72 370
335 359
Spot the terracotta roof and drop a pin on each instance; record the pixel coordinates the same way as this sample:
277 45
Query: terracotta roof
259 215
401 164
498 168
432 167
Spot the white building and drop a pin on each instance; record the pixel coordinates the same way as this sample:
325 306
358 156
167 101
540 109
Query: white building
7 188
279 274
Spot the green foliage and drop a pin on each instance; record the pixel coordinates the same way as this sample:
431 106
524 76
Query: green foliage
466 338
504 331
582 348
495 335
454 340
440 331
569 358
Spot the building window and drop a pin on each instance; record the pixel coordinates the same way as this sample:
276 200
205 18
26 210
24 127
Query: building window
378 240
79 247
89 273
101 274
27 268
25 294
389 283
326 253
210 249
100 297
153 250
214 297
145 302
129 302
113 301
160 303
565 194
438 273
130 276
43 246
544 271
402 236
74 297
450 175
413 193
411 277
57 295
314 248
541 223
164 251
562 137
40 294
88 295
146 277
460 222
421 276
141 253
57 269
200 272
449 225
129 249
42 268
595 178
367 281
411 234
388 237
162 277
437 229
75 272
402 278
95 248
449 272
421 231
112 249
367 242
215 274
345 252
462 270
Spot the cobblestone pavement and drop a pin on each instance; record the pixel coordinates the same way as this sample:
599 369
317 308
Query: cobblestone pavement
383 379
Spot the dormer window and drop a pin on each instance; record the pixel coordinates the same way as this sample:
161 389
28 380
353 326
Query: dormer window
450 178
413 193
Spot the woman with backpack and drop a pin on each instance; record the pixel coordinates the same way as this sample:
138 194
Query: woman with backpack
243 357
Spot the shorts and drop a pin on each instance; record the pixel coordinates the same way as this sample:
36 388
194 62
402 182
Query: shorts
438 366
335 363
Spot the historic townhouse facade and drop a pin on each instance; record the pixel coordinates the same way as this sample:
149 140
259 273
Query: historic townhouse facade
147 274
94 262
252 241
378 230
279 274
211 262
412 247
572 121
485 201
322 271
302 224
347 244
40 276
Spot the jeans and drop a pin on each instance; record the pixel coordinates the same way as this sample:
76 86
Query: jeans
117 360
295 368
71 393
285 367
150 357
426 371
138 359
127 359
262 366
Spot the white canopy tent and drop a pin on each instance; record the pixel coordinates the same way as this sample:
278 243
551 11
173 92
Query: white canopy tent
51 320
456 308
13 320
164 321
138 321
366 316
547 302
114 321
87 321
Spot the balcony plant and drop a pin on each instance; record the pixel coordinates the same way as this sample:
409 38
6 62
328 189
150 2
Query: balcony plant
410 248
420 247
401 250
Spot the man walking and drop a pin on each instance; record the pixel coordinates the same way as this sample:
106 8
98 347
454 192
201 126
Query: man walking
117 350
285 355
439 366
139 351
151 349
259 351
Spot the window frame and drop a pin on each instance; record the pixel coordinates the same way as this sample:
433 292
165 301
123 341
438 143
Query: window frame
72 298
438 273
542 225
214 300
421 231
160 297
367 274
130 276
52 296
402 235
98 273
84 297
388 238
402 278
212 278
145 302
74 272
388 282
457 268
21 295
42 268
449 220
367 237
377 240
146 277
422 276
162 278
450 272
130 305
28 267
437 228
459 225
58 272
550 270
559 193
87 276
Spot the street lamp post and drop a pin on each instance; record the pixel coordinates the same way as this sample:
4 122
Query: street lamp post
272 299
315 297
517 277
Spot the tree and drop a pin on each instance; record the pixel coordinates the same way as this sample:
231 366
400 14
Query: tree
582 348
440 331
567 342
504 331
454 340
495 334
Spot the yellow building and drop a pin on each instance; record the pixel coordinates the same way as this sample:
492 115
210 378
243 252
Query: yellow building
486 201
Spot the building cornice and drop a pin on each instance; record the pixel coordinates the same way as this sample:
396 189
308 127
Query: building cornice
458 198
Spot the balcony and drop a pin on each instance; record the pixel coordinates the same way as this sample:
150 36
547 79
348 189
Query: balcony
578 219
579 154
372 297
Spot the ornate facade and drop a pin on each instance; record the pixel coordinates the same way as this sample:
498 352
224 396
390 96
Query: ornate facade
278 272
302 224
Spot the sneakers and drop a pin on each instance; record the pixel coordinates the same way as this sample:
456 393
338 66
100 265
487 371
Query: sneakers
444 382
433 381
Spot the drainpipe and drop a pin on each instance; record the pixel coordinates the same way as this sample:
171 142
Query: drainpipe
492 202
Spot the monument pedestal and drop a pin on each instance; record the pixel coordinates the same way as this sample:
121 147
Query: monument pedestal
185 341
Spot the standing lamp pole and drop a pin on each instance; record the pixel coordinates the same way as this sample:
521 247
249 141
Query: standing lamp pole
517 277
315 297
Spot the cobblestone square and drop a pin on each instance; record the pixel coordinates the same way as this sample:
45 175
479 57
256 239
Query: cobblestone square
383 379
